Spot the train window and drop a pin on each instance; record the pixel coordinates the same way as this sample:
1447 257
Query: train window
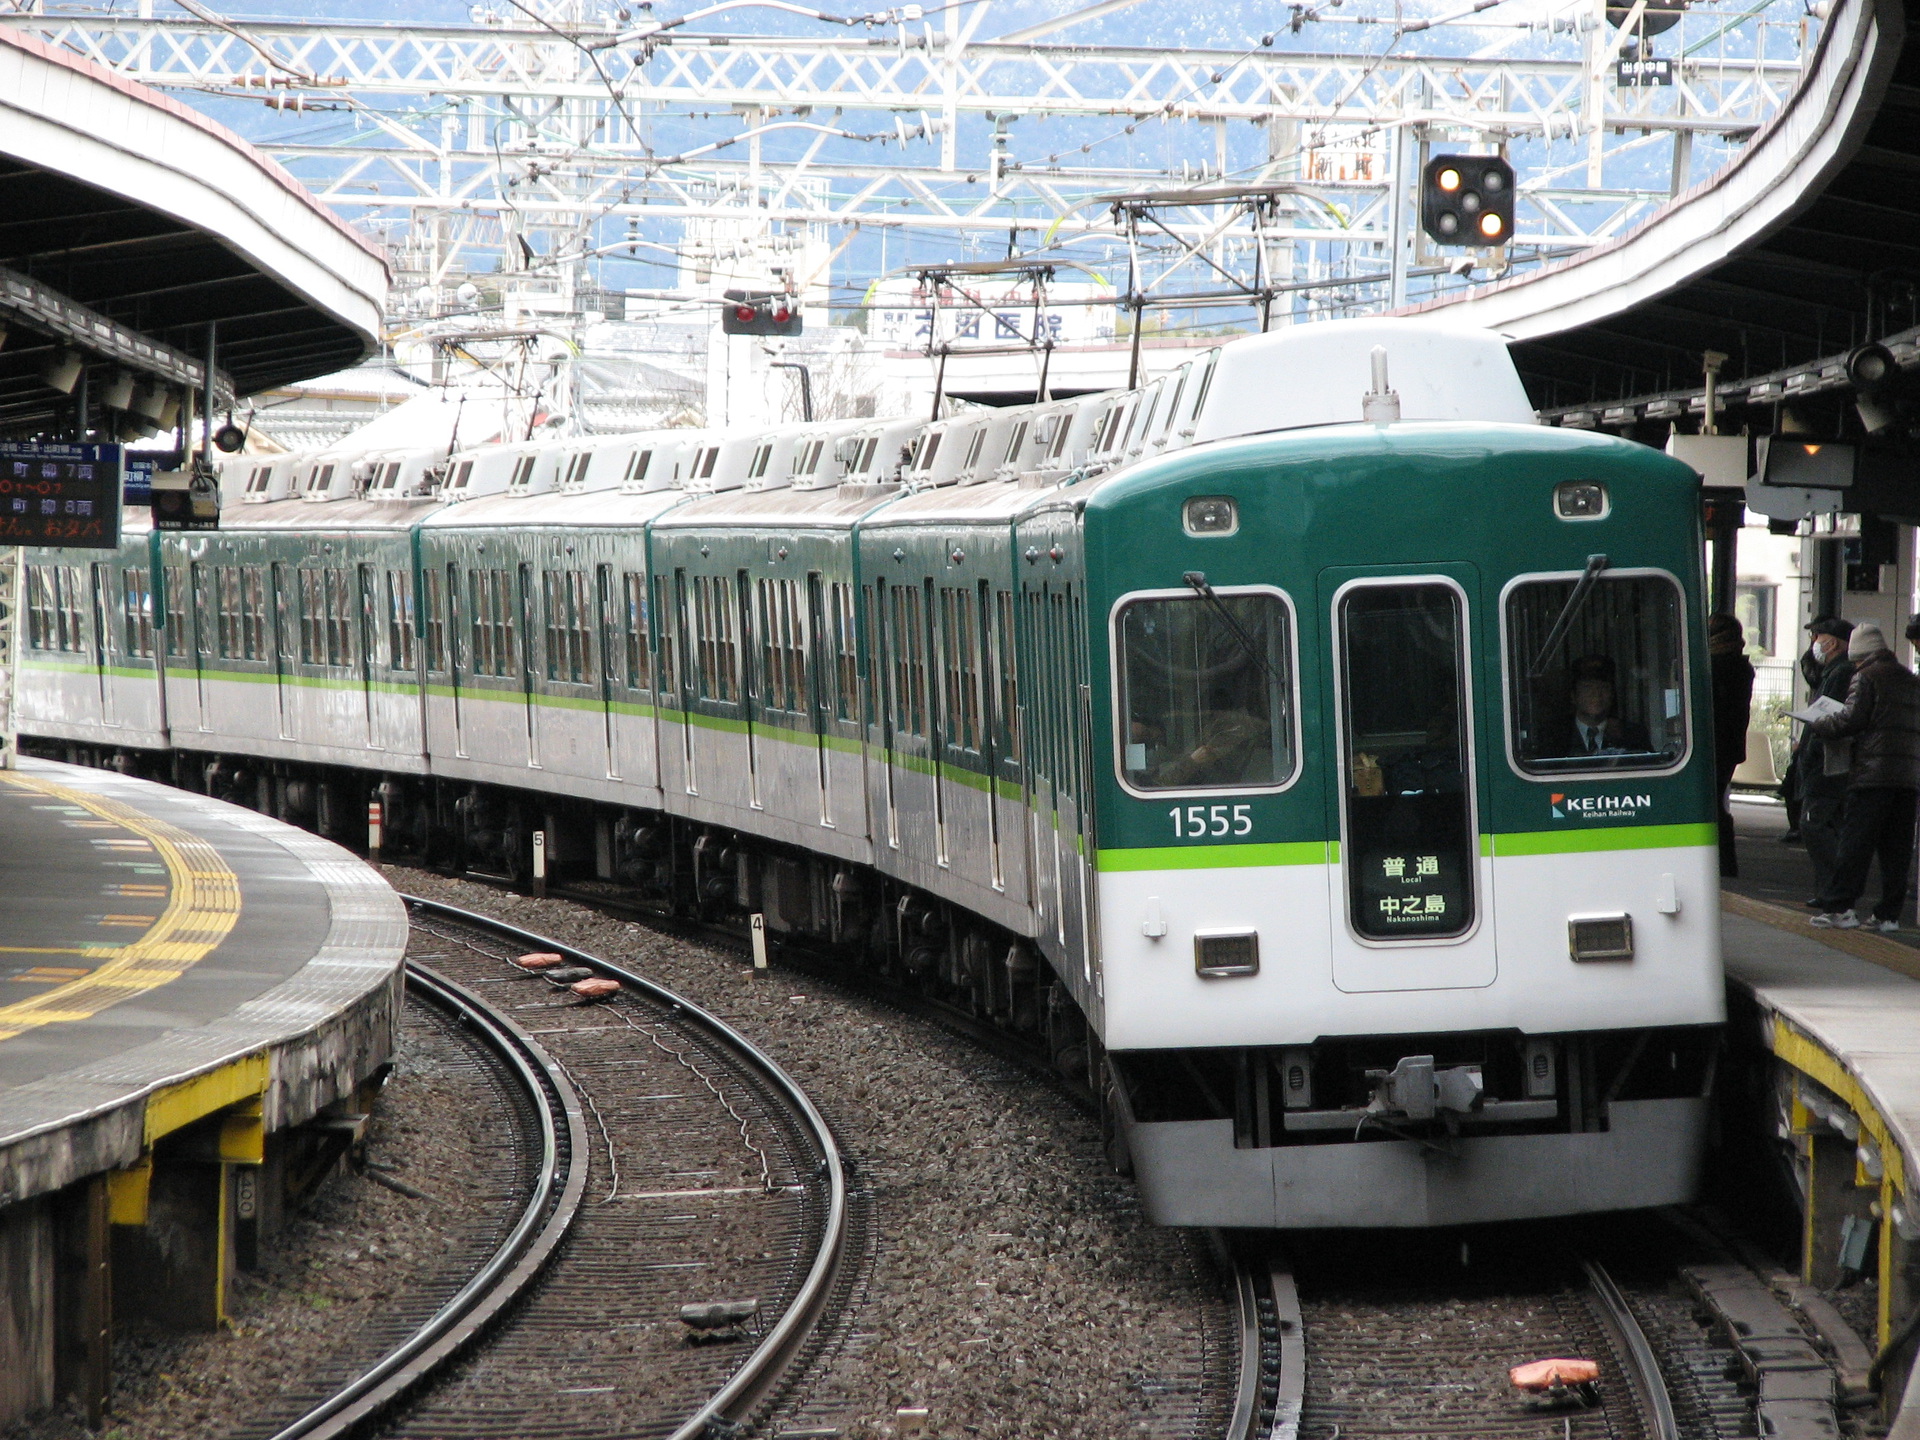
433 621
639 653
1014 442
137 600
672 623
1596 677
226 581
400 620
176 597
846 651
1206 686
1410 846
253 611
713 619
569 627
491 594
1012 743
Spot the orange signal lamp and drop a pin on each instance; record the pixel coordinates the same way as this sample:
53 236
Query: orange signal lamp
1491 225
1449 180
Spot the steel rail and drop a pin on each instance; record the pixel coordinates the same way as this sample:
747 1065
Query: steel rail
1636 1353
515 1262
762 1370
1272 1385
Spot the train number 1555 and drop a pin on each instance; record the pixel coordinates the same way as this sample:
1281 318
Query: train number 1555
1197 820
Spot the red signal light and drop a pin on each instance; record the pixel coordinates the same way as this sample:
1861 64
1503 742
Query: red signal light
744 314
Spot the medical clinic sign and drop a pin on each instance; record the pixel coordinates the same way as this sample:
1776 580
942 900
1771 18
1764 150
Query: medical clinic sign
65 496
903 314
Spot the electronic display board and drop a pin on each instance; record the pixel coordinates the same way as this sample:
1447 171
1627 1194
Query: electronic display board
60 495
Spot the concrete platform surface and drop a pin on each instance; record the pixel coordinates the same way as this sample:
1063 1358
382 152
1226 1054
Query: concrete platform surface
166 956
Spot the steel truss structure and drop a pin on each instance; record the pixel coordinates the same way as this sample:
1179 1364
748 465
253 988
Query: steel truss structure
538 143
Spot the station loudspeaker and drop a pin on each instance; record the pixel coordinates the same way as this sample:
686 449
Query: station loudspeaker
760 312
1467 200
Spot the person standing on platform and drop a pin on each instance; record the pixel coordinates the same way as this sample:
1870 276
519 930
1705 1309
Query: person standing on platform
1823 795
1882 719
1732 709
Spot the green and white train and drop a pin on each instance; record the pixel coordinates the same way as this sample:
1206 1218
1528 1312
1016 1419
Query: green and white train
1321 769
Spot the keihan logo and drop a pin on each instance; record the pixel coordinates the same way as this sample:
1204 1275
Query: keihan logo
1598 807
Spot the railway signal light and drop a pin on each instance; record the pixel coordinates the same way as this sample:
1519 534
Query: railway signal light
1467 200
760 312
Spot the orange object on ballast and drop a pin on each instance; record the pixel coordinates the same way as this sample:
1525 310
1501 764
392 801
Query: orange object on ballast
538 960
597 988
1545 1374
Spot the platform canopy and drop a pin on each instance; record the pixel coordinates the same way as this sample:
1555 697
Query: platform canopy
1804 248
129 224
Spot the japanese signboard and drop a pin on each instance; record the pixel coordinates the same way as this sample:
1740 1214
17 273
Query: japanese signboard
988 312
60 495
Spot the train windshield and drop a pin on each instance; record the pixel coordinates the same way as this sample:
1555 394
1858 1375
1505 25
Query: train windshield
1410 848
1206 686
1597 681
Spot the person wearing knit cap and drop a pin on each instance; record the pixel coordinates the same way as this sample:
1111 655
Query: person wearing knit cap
1818 775
1732 685
1882 719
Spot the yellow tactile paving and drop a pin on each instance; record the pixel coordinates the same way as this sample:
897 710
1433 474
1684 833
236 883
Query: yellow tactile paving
202 909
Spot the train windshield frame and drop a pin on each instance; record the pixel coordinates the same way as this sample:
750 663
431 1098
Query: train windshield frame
1409 835
1206 691
1610 697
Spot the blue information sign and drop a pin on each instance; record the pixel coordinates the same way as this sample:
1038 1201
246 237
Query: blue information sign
60 495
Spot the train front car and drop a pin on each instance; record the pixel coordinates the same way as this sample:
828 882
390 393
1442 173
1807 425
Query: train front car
1408 891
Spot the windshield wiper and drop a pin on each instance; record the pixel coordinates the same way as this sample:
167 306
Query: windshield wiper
1197 579
1564 620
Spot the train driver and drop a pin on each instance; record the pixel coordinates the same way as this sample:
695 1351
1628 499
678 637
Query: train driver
1593 728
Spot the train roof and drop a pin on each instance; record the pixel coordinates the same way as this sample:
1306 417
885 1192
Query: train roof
596 509
306 515
837 508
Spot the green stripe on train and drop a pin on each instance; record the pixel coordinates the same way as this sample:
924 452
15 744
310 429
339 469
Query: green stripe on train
1624 837
1210 857
1323 852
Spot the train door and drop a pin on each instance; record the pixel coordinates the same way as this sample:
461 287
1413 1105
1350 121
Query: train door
886 644
819 673
939 721
992 725
283 643
369 623
103 643
1410 888
688 677
524 614
455 637
753 676
199 581
606 603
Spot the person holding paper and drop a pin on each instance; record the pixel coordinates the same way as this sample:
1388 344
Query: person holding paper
1823 770
1882 719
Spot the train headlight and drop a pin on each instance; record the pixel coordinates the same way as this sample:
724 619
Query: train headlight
1210 515
1600 937
1580 500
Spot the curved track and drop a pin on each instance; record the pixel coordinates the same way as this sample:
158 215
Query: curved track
1394 1363
554 1264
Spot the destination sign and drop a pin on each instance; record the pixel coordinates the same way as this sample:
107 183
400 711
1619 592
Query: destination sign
59 495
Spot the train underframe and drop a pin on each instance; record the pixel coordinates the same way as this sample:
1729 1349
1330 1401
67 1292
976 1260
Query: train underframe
1389 1131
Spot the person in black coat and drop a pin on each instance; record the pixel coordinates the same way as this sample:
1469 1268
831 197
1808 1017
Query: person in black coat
1823 795
1732 675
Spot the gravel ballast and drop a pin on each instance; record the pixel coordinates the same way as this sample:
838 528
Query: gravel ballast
1015 1289
1007 1281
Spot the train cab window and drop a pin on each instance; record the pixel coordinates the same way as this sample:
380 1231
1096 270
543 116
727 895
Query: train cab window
1596 676
1410 847
1206 688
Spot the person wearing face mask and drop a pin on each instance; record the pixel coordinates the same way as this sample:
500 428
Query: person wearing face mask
1823 796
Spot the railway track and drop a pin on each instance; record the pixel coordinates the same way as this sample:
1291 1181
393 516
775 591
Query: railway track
635 1117
1412 1359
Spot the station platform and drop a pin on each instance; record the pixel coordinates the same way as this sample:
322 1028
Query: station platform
1839 1011
193 1001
